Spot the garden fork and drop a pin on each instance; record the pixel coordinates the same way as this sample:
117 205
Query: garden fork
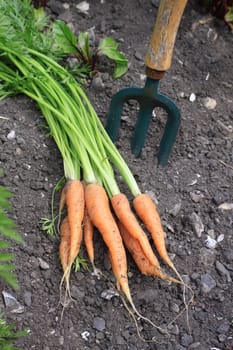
158 61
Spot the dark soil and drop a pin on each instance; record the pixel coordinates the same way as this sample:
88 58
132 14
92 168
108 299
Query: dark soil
189 190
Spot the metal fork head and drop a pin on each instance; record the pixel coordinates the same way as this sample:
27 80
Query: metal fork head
148 98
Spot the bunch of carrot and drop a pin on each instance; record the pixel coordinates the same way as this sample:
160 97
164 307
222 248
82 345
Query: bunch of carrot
91 195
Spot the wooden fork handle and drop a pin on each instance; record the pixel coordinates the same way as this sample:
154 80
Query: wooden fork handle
160 50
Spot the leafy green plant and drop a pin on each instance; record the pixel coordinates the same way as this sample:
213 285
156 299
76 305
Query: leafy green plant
8 335
7 232
80 47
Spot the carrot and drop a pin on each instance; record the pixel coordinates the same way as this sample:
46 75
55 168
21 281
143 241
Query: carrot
64 246
88 232
125 215
74 200
74 194
141 260
98 208
148 213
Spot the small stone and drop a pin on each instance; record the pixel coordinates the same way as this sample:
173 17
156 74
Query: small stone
98 84
223 327
186 340
223 271
222 337
192 97
108 294
27 296
209 103
196 196
210 243
11 135
83 7
85 335
175 308
220 238
175 210
99 324
139 56
66 6
18 151
226 206
197 224
12 303
207 283
99 335
43 264
182 94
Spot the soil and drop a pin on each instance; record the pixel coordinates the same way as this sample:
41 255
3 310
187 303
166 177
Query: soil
196 181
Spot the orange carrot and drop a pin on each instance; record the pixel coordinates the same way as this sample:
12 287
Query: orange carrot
74 194
141 260
148 213
125 215
88 232
97 204
64 246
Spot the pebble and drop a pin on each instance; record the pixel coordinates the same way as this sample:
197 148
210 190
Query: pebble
186 340
207 283
222 337
223 271
99 324
43 264
12 303
174 307
85 335
27 296
224 327
196 196
83 7
108 294
98 84
226 206
210 243
192 97
18 151
197 224
175 210
11 135
209 103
